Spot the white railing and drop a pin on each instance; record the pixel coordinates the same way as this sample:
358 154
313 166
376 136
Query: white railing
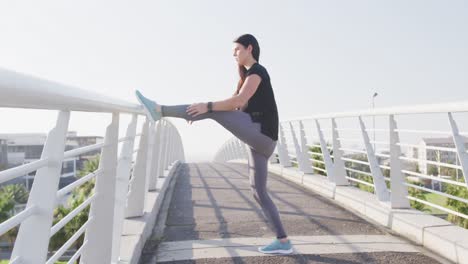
121 181
350 156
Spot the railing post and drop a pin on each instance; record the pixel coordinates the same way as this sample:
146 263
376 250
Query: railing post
299 154
153 178
181 148
224 153
399 189
123 174
339 172
228 153
160 168
326 155
171 145
98 235
305 151
149 164
379 182
164 149
136 194
244 150
283 149
33 236
168 147
231 152
182 153
240 149
236 149
460 146
167 153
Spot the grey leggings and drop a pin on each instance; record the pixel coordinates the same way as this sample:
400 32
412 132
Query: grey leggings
261 147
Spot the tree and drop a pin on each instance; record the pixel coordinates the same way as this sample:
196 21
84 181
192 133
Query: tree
17 192
78 196
6 205
10 196
363 168
318 157
432 170
461 207
419 194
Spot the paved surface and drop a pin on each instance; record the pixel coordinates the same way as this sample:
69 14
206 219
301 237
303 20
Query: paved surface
212 217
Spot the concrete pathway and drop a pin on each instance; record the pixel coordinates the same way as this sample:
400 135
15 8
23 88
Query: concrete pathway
212 217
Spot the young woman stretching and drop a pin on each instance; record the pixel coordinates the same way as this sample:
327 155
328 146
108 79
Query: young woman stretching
252 116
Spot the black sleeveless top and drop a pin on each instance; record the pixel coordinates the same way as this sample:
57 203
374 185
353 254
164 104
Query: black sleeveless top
262 105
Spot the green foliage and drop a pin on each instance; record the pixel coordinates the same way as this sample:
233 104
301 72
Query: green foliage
6 205
17 192
318 157
432 170
11 195
461 207
294 163
360 176
419 194
78 196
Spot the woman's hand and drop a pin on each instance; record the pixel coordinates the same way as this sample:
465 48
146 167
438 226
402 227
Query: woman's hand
197 109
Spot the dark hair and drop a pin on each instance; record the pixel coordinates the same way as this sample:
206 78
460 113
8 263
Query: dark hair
246 40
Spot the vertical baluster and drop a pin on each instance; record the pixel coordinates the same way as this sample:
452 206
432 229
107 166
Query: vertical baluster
136 194
100 230
339 172
379 182
399 190
33 236
168 146
305 156
231 151
326 155
239 149
156 157
244 150
123 174
283 149
460 146
162 163
297 149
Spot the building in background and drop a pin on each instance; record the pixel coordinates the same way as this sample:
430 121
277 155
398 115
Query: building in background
82 141
24 148
438 155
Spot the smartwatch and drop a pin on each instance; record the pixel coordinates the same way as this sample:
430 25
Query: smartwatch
210 107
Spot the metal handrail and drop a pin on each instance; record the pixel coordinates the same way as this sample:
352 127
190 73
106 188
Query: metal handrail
452 107
20 90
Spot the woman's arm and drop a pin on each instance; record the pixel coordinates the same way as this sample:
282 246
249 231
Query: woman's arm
237 101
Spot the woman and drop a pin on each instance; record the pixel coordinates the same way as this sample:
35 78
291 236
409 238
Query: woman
251 115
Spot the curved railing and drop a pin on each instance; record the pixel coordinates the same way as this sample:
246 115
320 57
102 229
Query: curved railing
431 174
122 180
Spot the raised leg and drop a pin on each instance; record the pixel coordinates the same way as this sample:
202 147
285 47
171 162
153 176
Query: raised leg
238 123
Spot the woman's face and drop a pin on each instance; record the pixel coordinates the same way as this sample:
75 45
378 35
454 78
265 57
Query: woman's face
241 54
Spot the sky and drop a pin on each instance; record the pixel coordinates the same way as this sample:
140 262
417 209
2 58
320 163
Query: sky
322 56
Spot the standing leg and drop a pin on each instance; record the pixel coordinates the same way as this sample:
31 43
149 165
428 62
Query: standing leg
258 172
